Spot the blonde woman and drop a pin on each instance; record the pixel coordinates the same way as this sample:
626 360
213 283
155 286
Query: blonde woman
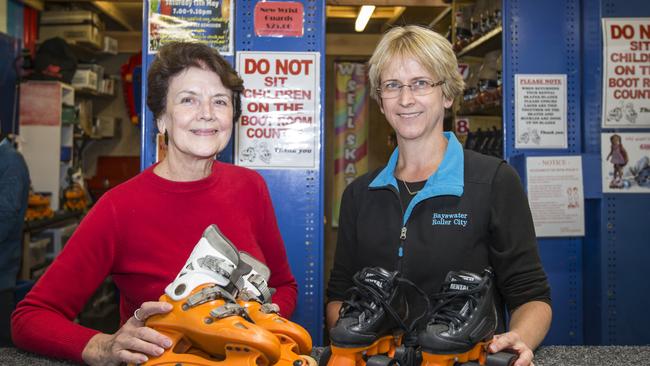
434 207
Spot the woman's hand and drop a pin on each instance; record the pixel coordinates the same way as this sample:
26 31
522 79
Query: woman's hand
132 343
512 341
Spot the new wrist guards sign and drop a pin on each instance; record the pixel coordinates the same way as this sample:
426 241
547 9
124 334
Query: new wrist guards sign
280 123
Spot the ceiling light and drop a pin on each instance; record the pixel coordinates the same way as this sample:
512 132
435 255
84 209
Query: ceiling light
364 16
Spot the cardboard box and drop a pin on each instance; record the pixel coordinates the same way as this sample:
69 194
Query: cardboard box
106 126
107 86
84 79
110 45
85 108
84 33
97 69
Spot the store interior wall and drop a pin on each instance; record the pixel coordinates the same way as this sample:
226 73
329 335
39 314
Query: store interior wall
127 139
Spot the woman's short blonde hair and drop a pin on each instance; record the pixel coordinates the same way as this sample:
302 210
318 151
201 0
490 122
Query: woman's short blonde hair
429 48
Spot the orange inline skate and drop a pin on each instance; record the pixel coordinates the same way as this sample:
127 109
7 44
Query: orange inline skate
206 325
255 296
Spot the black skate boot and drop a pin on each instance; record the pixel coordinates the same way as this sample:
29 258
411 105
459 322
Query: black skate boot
462 322
374 320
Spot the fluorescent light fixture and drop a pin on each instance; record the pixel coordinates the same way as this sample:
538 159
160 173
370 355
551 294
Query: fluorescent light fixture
364 16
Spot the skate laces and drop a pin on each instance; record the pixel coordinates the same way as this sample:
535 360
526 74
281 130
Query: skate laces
458 299
366 300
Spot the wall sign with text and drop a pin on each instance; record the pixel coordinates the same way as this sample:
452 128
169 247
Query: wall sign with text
626 73
540 111
280 123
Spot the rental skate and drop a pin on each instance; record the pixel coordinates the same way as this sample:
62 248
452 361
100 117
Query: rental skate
255 296
206 325
462 323
373 322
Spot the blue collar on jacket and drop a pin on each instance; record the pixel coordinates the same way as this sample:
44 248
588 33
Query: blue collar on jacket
448 179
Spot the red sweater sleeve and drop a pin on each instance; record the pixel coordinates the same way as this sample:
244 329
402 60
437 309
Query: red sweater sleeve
275 253
43 321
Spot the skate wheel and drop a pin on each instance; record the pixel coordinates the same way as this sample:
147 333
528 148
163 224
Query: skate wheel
381 360
324 358
500 359
308 361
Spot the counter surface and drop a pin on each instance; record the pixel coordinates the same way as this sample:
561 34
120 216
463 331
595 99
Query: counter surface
545 356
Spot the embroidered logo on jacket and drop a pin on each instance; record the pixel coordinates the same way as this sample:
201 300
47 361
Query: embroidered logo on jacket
449 219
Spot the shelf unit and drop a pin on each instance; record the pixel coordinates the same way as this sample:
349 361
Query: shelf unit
481 116
488 42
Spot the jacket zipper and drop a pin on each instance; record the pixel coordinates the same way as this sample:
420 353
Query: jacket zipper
400 251
402 235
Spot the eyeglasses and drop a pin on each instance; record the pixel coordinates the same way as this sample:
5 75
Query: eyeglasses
419 87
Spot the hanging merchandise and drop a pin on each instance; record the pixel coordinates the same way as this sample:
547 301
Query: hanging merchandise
463 27
127 72
488 79
54 61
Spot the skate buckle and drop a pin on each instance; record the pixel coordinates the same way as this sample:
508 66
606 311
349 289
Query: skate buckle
270 308
216 265
260 284
205 295
227 310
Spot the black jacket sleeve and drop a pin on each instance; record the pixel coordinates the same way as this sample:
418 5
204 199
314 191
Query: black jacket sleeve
343 269
513 252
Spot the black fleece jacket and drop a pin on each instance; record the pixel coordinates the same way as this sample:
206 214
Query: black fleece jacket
471 214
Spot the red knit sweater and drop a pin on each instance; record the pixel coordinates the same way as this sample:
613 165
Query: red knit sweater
141 233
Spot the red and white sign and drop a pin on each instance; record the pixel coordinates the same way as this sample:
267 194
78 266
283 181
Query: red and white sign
280 123
279 19
626 73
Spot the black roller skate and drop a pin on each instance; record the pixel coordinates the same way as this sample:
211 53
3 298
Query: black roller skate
374 320
462 323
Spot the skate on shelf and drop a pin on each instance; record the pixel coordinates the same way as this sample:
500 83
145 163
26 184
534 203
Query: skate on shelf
206 325
372 323
254 295
462 323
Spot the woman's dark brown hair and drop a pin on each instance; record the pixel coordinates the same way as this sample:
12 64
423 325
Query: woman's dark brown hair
173 58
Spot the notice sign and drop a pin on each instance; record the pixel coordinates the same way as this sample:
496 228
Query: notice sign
540 111
555 194
626 73
279 19
280 123
625 162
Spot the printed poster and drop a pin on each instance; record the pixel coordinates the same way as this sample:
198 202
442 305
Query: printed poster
280 123
279 19
555 195
540 111
204 21
625 162
626 73
350 128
